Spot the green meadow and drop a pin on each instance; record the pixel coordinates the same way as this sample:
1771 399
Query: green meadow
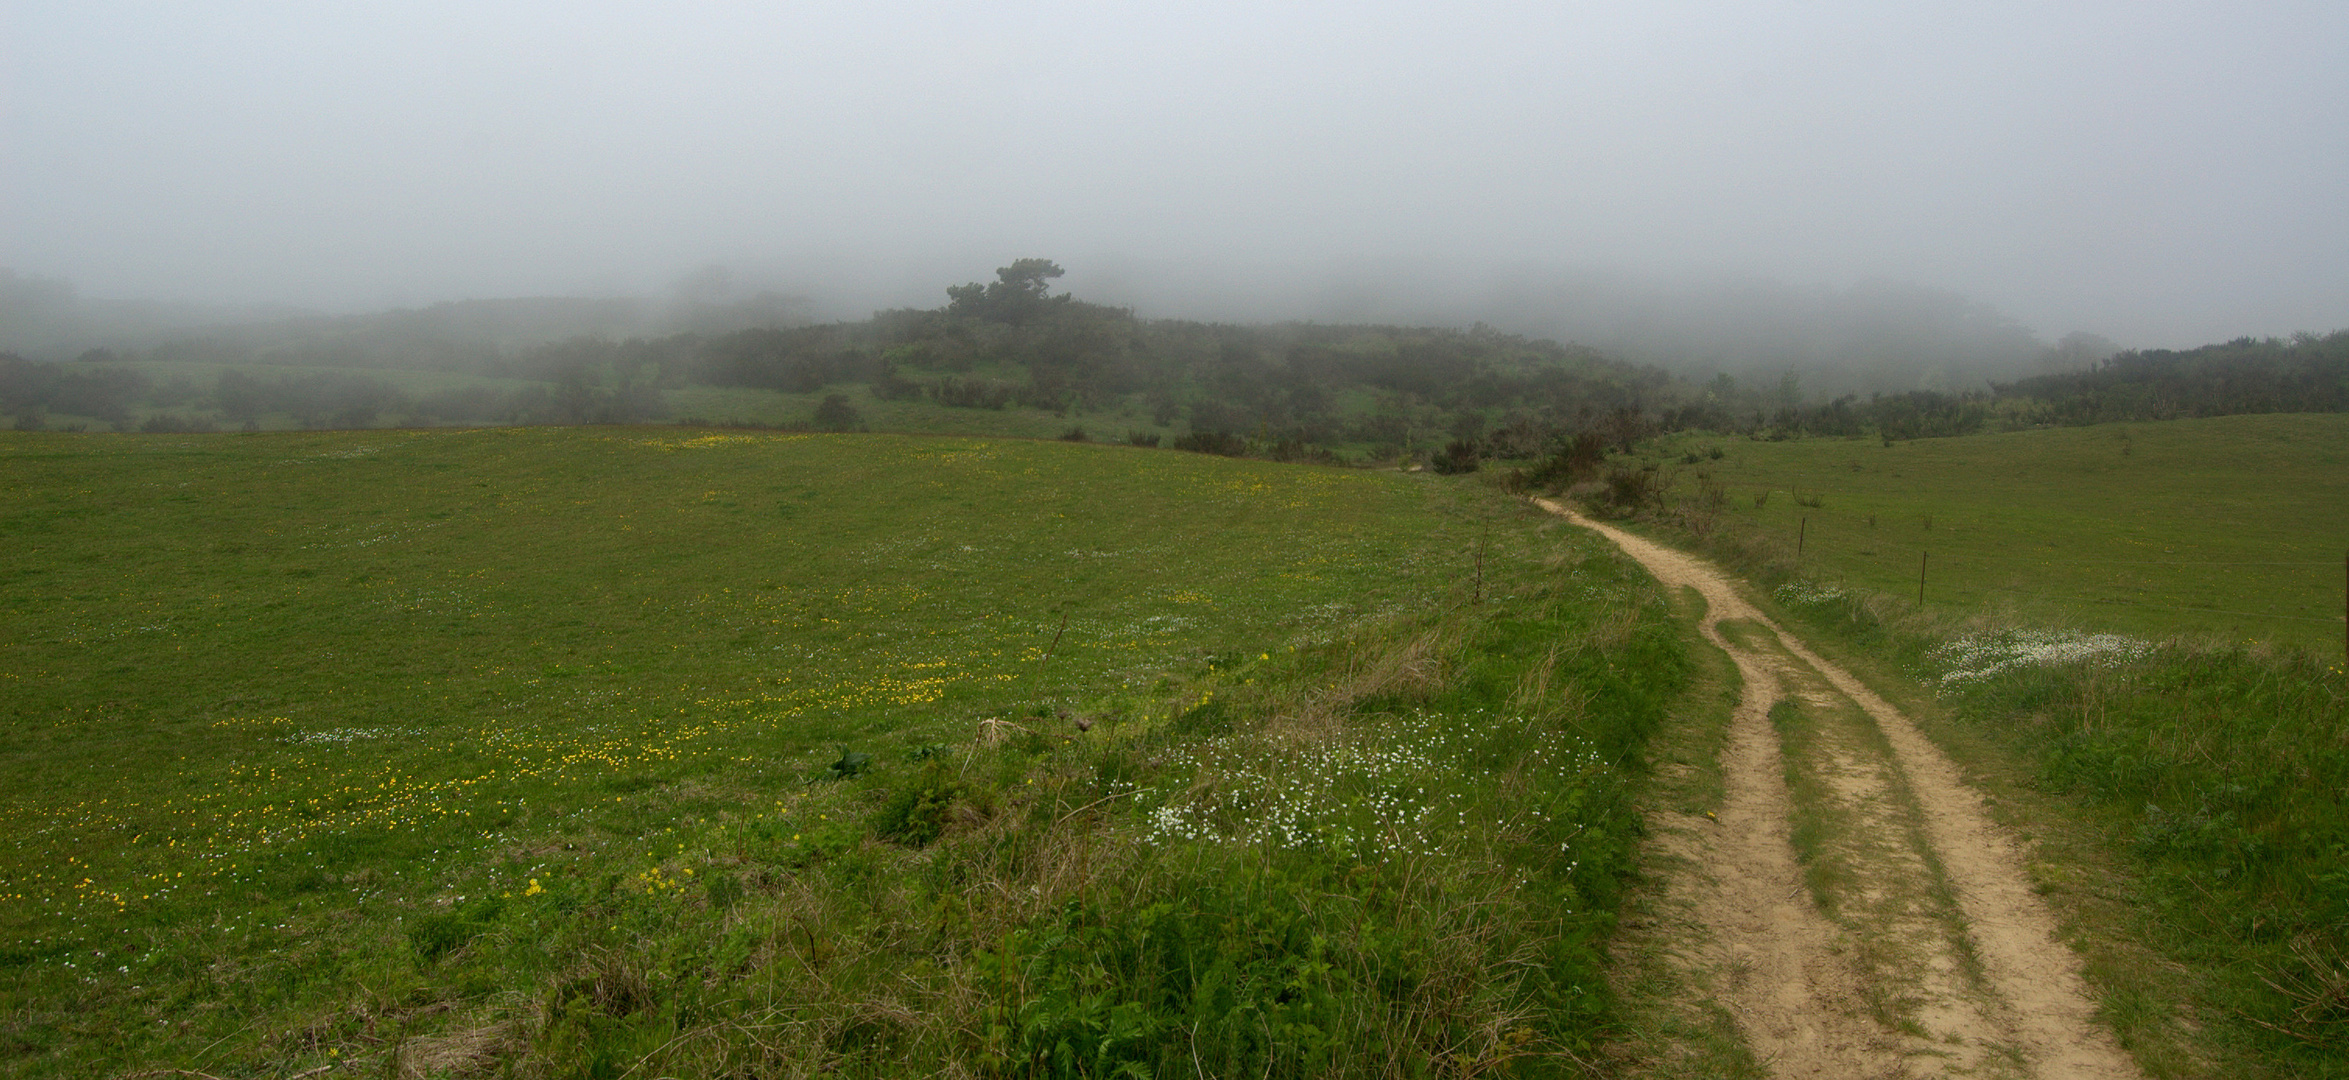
2233 527
623 751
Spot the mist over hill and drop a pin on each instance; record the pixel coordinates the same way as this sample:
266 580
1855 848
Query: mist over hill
1877 336
1013 356
44 318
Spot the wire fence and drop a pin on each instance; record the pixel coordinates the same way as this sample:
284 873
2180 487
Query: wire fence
2124 602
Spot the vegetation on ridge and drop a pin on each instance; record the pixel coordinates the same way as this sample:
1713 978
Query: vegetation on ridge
1010 357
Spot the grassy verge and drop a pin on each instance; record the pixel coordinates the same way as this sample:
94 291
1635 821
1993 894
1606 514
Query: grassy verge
643 752
2194 788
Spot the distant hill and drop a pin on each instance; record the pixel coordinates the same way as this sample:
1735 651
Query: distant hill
1873 336
46 319
2304 374
1009 348
2307 373
1012 357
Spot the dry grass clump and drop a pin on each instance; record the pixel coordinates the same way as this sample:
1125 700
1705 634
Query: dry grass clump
475 1050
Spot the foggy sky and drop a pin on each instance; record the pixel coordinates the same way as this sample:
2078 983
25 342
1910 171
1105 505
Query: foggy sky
2161 173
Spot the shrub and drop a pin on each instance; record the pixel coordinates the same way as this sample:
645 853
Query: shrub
838 414
1212 442
175 424
1141 438
1578 460
971 393
1458 456
1293 450
1633 488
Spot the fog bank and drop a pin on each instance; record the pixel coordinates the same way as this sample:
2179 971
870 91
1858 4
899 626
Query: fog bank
2158 173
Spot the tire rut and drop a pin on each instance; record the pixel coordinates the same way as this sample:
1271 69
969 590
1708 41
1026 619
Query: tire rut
1935 956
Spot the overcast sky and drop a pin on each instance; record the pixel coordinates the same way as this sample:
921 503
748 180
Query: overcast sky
2163 173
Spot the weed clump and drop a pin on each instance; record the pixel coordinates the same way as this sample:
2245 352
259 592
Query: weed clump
1205 720
916 813
437 935
851 763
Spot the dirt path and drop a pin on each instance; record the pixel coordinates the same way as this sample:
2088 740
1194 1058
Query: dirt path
1854 909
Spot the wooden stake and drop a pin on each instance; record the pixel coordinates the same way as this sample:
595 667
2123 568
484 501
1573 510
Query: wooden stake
1921 557
1480 542
1800 532
1048 651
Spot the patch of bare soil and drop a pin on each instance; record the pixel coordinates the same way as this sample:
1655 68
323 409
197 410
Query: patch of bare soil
1901 937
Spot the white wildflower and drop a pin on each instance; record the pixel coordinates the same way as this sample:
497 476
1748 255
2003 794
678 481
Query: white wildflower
1982 656
1805 592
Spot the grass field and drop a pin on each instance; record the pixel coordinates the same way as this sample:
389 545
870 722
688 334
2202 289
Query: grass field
2234 527
575 751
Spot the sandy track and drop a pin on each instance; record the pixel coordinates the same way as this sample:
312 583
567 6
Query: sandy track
1938 958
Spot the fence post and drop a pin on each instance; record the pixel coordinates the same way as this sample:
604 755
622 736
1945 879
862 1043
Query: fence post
1921 557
